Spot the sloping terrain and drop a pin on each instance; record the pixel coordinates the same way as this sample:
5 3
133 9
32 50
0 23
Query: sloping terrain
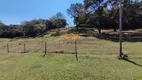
98 59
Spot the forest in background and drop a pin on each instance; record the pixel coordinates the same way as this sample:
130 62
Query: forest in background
97 14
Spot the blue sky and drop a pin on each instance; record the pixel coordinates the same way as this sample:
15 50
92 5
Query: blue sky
16 11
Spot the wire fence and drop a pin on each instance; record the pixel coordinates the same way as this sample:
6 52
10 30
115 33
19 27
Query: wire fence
84 46
63 46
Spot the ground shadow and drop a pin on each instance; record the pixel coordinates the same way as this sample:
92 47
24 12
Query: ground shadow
108 34
115 38
130 61
84 31
133 62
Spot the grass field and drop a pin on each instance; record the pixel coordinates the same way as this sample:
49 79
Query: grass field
65 67
98 60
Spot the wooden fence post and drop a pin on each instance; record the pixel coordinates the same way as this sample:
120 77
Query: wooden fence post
76 50
45 49
24 47
7 48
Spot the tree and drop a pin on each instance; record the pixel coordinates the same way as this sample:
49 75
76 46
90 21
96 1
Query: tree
113 14
129 11
1 28
104 14
59 21
97 9
11 31
1 24
132 14
34 28
75 11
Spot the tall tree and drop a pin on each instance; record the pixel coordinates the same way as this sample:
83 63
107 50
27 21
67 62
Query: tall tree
97 9
75 11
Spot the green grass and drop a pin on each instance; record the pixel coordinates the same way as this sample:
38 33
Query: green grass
65 67
89 45
97 60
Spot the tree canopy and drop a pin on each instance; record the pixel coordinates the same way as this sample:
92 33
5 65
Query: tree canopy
98 14
104 14
33 28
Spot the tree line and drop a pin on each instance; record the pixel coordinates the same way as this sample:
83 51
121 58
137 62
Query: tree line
33 28
104 14
99 14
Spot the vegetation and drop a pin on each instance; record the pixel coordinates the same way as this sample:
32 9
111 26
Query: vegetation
62 66
99 14
32 28
97 59
59 21
75 11
104 14
96 50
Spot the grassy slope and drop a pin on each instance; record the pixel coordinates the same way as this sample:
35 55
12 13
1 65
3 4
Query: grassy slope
99 62
64 66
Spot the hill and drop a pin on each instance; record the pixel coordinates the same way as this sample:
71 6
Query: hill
98 58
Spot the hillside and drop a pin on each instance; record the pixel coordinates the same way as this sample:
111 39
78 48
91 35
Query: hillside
107 42
98 59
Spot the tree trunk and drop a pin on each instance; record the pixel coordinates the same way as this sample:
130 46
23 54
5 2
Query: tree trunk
114 29
77 28
99 29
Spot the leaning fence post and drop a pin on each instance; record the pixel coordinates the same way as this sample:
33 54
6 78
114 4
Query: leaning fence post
45 49
7 48
76 50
